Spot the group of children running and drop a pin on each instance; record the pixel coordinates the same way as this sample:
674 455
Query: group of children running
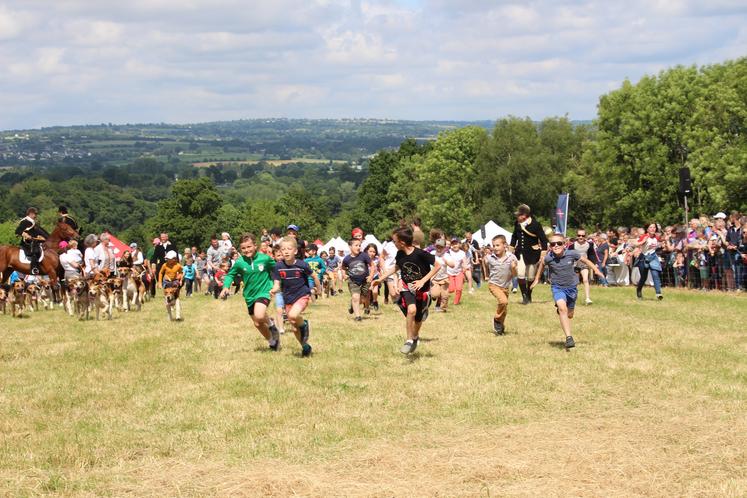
294 275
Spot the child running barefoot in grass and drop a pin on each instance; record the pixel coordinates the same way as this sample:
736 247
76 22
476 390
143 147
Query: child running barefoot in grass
417 268
292 277
255 270
563 280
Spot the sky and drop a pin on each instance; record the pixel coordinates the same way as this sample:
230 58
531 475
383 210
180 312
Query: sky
70 62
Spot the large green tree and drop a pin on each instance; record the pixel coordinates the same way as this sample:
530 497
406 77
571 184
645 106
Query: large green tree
190 213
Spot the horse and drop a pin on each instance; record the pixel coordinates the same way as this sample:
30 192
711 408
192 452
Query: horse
50 265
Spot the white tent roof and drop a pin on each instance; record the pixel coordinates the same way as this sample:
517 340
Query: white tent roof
338 244
491 230
370 239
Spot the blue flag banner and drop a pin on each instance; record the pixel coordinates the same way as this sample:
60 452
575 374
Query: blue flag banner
561 213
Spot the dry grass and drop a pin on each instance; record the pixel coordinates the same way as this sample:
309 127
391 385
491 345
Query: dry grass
652 402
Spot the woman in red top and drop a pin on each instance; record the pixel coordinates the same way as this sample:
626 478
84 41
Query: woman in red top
648 261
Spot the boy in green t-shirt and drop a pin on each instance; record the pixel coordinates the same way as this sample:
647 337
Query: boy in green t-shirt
255 270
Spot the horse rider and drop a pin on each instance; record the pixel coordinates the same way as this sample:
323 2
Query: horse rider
65 218
32 237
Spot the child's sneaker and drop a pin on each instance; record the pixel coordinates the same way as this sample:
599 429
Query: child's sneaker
660 296
408 347
569 342
588 302
306 350
358 319
305 331
498 327
437 309
275 345
274 333
350 309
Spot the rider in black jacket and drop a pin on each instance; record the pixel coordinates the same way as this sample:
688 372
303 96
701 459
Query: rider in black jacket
32 238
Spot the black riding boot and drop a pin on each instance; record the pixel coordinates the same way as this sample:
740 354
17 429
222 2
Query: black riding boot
524 294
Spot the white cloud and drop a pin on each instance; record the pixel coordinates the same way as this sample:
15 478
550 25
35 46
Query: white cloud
189 60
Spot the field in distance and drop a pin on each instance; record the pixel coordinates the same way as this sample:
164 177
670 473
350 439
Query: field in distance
652 402
272 162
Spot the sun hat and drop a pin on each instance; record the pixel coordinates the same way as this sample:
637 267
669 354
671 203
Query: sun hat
295 228
63 244
720 215
171 255
440 243
156 241
133 245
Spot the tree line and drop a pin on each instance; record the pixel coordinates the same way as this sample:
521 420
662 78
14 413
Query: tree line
620 170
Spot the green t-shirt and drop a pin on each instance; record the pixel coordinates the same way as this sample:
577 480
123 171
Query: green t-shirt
256 275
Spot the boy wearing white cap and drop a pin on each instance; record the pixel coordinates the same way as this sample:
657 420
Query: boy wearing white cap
171 273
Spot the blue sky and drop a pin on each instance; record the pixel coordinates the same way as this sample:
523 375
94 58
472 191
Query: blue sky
81 61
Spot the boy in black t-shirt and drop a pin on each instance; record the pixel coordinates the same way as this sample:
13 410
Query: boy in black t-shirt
416 267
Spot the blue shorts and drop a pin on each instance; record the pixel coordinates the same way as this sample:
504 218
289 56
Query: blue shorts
567 294
279 301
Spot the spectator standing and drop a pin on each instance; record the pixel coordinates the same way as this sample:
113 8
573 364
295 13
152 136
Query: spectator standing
648 261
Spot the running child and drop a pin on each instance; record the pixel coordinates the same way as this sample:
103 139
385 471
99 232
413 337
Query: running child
280 315
318 267
220 274
340 271
333 265
417 268
456 273
440 282
255 270
291 275
561 263
502 268
359 269
373 291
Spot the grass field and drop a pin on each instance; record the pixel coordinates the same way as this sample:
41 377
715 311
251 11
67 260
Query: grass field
652 402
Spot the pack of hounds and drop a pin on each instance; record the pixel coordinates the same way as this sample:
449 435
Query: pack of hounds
98 295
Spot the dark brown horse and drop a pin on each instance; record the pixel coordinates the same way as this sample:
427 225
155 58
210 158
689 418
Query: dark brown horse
9 260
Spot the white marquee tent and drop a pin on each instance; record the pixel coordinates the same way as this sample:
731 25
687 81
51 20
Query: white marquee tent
370 239
338 244
491 230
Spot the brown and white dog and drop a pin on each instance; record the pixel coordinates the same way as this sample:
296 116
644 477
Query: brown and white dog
134 290
3 298
46 296
77 298
116 287
32 296
173 305
17 298
99 297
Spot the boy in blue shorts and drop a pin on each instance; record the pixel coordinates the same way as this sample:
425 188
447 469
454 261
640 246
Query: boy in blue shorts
292 275
561 265
318 267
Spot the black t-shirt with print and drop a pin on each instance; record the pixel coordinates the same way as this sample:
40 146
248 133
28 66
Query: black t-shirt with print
415 265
